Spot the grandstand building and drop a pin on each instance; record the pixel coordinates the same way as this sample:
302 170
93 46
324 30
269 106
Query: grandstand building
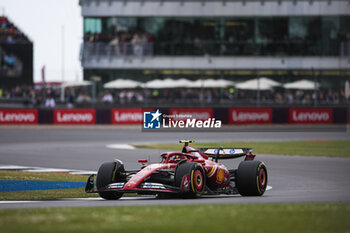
284 40
16 56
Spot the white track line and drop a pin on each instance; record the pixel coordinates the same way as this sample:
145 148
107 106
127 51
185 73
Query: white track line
17 202
121 146
43 169
13 167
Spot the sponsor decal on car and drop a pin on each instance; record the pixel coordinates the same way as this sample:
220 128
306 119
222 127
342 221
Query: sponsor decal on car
223 151
310 115
148 185
18 116
185 182
250 115
220 175
74 116
127 116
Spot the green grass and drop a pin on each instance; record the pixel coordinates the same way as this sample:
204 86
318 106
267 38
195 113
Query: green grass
43 194
331 148
257 218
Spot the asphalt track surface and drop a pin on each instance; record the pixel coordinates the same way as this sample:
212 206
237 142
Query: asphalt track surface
293 178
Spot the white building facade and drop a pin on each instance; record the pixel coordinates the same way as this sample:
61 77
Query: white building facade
231 39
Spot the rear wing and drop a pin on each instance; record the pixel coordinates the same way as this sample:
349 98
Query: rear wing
226 153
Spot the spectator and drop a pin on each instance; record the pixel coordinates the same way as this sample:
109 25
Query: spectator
69 98
137 44
107 97
83 97
50 100
115 45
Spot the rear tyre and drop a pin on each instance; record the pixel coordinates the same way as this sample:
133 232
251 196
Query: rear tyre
190 177
251 178
109 172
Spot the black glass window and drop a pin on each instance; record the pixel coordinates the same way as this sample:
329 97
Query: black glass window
228 36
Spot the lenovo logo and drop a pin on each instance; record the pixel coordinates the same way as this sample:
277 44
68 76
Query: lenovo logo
18 116
250 115
127 116
76 117
310 115
79 116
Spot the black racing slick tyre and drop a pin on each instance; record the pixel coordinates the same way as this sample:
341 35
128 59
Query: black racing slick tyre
251 178
190 177
109 172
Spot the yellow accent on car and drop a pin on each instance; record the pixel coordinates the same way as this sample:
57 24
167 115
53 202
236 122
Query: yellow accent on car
211 171
192 181
114 171
220 175
184 141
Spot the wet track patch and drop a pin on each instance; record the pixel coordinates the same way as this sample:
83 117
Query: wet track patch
25 185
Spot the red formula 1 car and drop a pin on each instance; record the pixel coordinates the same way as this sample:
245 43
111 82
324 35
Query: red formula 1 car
190 173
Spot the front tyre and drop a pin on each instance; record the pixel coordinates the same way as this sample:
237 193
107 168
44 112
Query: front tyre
251 178
108 173
190 177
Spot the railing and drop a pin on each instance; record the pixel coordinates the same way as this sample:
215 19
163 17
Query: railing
127 49
204 48
345 50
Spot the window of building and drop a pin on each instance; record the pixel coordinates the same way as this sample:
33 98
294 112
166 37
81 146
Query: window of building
239 36
228 36
92 25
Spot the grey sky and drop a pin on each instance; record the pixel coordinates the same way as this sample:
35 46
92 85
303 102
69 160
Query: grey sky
42 21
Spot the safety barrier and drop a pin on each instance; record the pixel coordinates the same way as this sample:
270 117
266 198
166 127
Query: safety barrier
135 115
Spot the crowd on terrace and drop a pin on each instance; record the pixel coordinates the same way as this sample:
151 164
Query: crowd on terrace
78 96
9 33
122 42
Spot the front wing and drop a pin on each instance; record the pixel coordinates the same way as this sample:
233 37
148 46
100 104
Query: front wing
144 188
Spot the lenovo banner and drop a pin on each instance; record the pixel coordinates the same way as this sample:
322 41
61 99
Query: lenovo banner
200 114
127 116
74 116
310 115
250 115
18 116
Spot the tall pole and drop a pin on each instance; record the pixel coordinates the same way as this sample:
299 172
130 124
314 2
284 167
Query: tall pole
62 53
62 63
258 93
315 86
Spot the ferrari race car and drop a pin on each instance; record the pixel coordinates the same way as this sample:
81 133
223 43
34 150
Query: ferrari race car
189 174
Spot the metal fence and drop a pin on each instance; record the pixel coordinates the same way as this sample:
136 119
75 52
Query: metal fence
345 50
127 49
289 48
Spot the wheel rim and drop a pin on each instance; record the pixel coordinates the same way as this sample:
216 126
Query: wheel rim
262 178
198 180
